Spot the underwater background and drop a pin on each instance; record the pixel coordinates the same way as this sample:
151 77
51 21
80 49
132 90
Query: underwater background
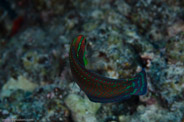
36 83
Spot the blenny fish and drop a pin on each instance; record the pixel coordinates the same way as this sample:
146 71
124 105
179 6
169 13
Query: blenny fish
97 87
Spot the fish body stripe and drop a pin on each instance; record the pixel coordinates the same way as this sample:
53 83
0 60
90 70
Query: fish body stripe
79 46
97 87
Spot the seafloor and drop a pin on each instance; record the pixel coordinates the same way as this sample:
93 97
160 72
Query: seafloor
36 83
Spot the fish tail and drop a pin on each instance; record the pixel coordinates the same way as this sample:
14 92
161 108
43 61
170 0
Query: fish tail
141 84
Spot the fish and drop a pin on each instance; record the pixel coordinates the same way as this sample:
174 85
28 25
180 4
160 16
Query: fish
17 24
97 87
